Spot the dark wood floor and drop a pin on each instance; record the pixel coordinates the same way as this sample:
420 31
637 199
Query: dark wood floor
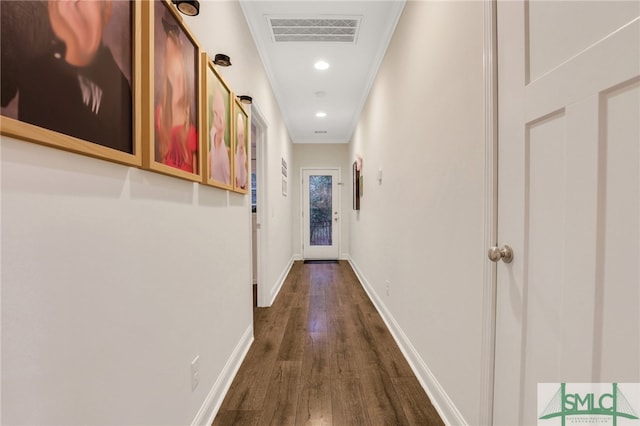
322 355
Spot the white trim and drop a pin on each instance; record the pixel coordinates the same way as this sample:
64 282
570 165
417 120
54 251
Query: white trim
213 401
445 407
487 350
276 288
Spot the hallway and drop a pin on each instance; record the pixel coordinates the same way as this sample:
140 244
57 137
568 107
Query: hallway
323 355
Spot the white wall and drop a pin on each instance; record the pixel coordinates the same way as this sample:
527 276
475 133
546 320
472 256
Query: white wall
422 227
114 278
320 155
222 28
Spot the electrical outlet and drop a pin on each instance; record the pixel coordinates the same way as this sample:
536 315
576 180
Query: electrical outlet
387 283
195 373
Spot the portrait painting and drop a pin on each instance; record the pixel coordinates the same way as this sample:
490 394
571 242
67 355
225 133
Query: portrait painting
69 75
218 140
175 108
241 156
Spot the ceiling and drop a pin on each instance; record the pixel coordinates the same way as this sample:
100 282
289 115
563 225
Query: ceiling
351 36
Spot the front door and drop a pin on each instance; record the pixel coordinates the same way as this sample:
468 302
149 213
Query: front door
320 213
568 199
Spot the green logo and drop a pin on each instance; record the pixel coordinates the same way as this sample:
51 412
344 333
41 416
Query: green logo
584 401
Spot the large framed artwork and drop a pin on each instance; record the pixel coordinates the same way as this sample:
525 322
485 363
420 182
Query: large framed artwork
218 164
172 134
241 177
71 76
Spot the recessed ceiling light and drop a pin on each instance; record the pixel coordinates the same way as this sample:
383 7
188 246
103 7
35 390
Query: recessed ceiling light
321 65
321 114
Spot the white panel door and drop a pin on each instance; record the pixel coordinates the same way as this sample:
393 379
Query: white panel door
320 213
568 199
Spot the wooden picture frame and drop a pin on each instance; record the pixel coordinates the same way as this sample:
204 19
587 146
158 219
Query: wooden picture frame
218 129
172 136
67 95
356 186
241 145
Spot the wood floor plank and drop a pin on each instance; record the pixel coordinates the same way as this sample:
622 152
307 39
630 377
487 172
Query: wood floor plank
317 315
315 362
415 402
348 402
361 338
269 323
237 418
387 351
292 345
314 402
249 388
382 402
284 387
343 361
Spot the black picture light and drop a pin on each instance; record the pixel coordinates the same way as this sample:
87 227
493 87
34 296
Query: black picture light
188 7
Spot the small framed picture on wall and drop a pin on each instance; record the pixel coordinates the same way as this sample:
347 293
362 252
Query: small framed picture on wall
241 180
218 151
356 186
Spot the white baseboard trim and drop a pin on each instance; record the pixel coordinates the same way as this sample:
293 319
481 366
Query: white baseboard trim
216 395
281 279
439 398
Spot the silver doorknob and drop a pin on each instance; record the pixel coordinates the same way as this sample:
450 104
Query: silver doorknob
497 253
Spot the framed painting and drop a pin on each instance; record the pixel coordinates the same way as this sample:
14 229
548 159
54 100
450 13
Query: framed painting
218 146
356 186
172 109
241 176
73 87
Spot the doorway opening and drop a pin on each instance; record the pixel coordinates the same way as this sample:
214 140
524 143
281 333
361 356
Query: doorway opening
258 203
320 213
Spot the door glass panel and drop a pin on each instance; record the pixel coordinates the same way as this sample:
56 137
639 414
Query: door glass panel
320 207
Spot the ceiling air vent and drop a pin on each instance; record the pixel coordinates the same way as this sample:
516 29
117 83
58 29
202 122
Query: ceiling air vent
323 29
320 131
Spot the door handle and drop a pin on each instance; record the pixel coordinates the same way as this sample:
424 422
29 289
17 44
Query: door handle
505 253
